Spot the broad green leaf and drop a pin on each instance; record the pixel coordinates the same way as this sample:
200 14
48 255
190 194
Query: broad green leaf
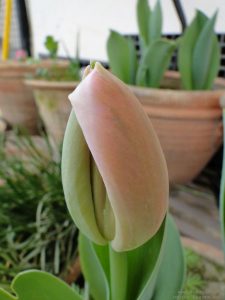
114 265
93 270
39 285
202 53
6 296
103 256
154 63
214 64
122 57
173 259
129 271
155 23
186 48
160 284
143 15
222 193
143 265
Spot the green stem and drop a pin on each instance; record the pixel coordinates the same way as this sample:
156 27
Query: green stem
118 274
222 192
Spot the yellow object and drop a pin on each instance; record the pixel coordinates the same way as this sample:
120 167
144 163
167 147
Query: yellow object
7 26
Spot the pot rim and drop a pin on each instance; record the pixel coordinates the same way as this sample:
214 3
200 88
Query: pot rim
147 90
183 113
9 65
49 85
219 82
219 85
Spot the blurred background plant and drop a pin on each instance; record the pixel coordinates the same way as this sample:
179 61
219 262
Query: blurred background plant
35 228
199 53
56 72
155 51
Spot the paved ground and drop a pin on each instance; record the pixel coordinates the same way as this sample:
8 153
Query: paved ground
196 214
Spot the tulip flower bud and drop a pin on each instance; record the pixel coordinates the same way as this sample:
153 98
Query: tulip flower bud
113 170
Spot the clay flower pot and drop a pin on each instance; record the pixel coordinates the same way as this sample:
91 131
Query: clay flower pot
188 124
16 99
51 98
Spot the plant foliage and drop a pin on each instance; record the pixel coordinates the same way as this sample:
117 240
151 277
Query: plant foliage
52 46
155 53
35 228
59 72
199 53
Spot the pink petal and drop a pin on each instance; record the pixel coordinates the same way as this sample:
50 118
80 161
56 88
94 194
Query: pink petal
127 153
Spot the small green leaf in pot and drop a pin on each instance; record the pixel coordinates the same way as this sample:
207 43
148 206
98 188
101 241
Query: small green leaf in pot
202 55
154 63
186 48
122 57
143 17
52 46
155 23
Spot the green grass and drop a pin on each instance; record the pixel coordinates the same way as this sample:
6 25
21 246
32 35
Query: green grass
35 228
195 282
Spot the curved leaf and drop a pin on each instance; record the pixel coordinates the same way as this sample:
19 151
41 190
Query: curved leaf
155 23
143 15
186 48
140 273
141 265
122 57
36 285
203 51
154 63
173 259
6 296
214 64
93 270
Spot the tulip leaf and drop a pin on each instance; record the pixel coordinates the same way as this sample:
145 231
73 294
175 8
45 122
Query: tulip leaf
103 256
143 16
202 54
222 193
173 259
122 57
186 48
155 23
198 56
36 285
149 22
154 63
139 273
141 265
93 270
214 64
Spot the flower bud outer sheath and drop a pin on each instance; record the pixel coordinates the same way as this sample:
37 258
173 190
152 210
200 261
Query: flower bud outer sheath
128 156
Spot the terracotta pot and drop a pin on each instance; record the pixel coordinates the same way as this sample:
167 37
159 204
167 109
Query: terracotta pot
188 124
16 99
54 107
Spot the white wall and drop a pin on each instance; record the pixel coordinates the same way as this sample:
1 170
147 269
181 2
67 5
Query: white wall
93 19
